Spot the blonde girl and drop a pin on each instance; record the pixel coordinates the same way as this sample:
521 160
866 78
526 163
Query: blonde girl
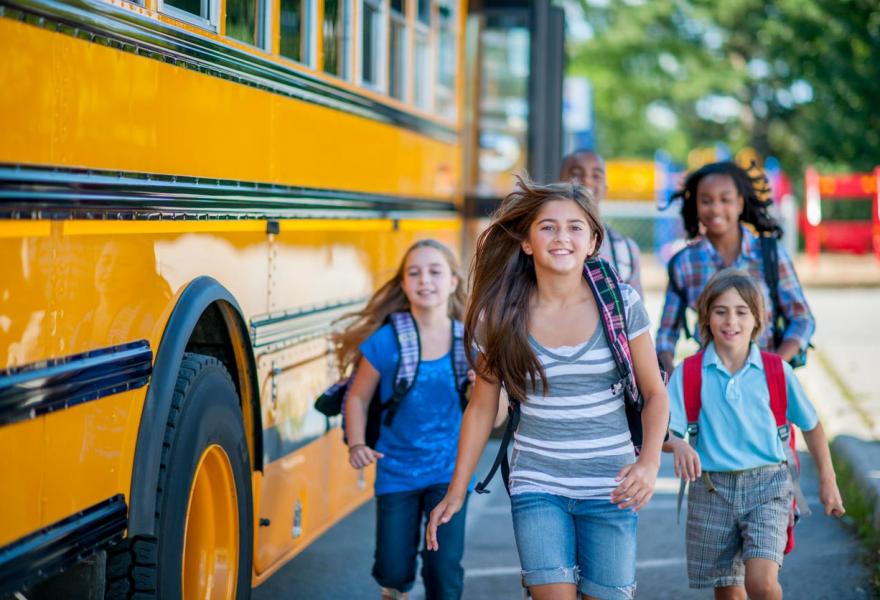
415 454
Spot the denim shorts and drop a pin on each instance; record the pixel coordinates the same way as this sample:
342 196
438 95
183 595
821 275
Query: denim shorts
589 543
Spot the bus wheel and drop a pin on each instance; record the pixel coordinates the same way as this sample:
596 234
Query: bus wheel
204 512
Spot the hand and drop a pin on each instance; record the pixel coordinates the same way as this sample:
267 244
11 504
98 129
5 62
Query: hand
441 515
685 459
830 498
361 455
637 483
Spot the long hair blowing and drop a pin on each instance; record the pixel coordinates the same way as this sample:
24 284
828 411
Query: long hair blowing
388 299
719 283
503 281
751 184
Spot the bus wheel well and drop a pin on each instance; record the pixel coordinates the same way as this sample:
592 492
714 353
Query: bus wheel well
217 333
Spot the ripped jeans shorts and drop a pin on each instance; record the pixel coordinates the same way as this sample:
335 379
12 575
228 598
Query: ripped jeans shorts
589 543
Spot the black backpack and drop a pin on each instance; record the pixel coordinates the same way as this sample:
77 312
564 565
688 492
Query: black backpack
332 401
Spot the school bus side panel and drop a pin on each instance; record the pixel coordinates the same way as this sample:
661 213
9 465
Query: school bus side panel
306 491
87 285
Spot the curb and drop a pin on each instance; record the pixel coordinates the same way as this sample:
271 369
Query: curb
863 459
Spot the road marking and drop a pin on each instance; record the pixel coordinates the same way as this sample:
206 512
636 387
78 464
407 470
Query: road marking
657 563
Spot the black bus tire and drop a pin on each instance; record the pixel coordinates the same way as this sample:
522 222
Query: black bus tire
204 428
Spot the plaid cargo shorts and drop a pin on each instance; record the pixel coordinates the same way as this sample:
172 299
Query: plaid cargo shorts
732 517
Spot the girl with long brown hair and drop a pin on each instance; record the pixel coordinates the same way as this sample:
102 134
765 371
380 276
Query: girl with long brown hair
415 451
574 472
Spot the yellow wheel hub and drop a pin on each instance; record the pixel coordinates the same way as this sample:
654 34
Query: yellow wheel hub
210 541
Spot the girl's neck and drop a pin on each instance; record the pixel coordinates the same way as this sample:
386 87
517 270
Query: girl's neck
733 359
728 245
429 318
560 289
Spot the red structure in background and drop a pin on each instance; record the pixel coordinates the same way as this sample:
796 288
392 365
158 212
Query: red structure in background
858 237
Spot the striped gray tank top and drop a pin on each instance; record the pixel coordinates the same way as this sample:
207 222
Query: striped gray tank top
573 441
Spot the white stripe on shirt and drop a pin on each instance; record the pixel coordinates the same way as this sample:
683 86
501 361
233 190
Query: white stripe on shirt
612 440
579 400
571 413
626 449
569 481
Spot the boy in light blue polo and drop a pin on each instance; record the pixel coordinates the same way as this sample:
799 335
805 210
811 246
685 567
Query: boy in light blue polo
741 489
723 444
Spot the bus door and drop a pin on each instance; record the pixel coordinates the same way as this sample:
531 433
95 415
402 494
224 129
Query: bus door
514 71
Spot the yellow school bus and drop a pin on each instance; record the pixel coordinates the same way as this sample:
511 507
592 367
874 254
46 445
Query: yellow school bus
191 193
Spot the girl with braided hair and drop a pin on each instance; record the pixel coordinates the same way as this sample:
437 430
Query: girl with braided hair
728 225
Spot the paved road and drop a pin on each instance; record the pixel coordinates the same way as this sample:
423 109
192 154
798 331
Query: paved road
826 563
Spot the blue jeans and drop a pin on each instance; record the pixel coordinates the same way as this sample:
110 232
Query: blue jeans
401 517
589 543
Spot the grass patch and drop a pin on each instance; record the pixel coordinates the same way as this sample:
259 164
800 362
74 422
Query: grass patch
860 513
844 389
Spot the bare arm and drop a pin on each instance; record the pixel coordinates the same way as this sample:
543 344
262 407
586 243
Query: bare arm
476 425
638 479
366 378
829 495
788 349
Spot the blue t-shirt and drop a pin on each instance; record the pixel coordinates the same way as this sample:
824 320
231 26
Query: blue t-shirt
736 425
421 444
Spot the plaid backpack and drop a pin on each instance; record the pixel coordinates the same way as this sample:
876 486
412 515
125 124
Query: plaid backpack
692 380
605 285
332 401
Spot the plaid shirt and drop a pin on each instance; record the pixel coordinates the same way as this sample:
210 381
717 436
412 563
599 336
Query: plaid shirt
691 269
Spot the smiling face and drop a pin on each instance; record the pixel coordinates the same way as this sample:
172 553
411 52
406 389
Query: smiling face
427 279
731 321
560 238
587 169
719 205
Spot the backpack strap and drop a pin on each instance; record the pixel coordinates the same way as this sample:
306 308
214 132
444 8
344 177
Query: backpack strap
778 388
409 346
617 242
460 366
612 312
692 385
681 318
501 460
605 285
770 260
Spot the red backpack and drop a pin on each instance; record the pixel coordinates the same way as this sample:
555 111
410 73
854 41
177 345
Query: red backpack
692 375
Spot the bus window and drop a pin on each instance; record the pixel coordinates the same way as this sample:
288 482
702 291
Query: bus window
296 41
397 51
504 102
422 55
242 18
199 12
337 37
446 60
371 44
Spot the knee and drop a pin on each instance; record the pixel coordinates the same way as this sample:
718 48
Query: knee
396 574
761 585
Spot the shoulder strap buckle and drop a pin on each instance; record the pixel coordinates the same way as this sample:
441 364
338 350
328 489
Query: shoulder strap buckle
784 432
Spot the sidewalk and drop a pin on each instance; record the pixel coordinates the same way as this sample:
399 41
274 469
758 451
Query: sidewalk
831 270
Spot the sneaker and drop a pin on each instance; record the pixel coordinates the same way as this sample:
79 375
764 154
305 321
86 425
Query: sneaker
392 594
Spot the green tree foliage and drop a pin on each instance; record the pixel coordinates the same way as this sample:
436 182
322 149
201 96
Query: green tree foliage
798 79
